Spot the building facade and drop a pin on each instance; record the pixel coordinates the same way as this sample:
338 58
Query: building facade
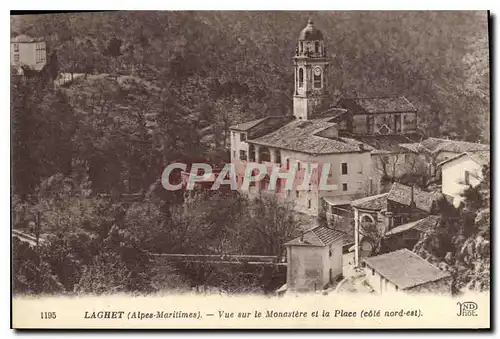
314 259
377 215
28 52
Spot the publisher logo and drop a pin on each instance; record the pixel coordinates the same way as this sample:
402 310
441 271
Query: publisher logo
467 309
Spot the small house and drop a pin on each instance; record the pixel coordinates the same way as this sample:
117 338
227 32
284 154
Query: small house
314 259
405 271
461 172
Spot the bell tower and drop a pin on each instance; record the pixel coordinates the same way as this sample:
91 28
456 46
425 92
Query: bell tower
311 69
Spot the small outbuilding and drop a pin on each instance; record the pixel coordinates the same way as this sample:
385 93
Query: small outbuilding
403 270
314 259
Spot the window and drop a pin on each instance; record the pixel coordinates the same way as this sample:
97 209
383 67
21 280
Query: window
243 155
373 271
233 134
287 163
243 137
360 168
344 168
467 177
309 203
39 52
317 81
330 252
369 124
301 47
16 57
316 47
298 165
344 187
234 154
296 194
278 157
301 77
16 47
398 220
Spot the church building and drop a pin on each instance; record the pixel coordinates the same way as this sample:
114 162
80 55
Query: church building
348 136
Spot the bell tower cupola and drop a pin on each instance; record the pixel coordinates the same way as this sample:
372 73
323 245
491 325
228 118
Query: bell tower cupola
311 68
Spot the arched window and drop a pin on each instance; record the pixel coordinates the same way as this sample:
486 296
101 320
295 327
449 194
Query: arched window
317 80
301 47
301 77
316 47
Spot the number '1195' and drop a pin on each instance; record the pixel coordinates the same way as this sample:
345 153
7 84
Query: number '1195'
48 315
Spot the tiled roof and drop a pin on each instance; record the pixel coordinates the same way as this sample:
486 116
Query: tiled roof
405 269
301 136
403 194
435 145
25 38
422 225
318 236
387 143
375 202
428 223
481 157
378 105
244 126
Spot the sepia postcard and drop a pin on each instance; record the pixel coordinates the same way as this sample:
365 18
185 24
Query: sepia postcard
250 169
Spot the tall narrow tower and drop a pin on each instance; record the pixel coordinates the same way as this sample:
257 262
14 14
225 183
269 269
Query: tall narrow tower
311 69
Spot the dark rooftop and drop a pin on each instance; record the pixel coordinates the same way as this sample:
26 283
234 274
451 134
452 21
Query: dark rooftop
317 236
375 202
310 32
405 269
403 194
422 225
378 105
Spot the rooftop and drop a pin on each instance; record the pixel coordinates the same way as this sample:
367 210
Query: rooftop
436 145
245 126
403 194
317 236
25 38
375 202
307 136
405 269
422 225
387 143
378 105
481 157
310 32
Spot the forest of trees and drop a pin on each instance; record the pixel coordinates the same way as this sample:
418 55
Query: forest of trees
77 148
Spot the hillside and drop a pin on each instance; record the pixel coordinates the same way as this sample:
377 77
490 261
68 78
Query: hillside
439 60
